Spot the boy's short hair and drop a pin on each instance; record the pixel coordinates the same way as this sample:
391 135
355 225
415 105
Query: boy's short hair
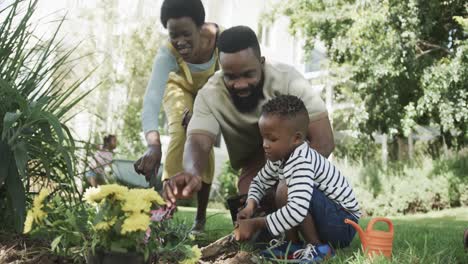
289 107
238 38
183 8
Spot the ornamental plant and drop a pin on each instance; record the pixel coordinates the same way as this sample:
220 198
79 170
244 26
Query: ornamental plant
112 219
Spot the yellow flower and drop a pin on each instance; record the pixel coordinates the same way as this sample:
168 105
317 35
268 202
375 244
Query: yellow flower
37 214
139 200
118 191
195 256
151 195
39 199
28 223
105 225
90 194
135 222
135 205
104 191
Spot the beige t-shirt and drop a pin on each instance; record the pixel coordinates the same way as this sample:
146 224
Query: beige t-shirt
214 110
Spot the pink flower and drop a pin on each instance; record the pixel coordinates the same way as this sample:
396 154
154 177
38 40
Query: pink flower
161 214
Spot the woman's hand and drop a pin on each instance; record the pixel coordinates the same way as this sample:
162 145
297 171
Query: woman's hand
149 162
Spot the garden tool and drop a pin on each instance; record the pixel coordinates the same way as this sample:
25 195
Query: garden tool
235 203
375 242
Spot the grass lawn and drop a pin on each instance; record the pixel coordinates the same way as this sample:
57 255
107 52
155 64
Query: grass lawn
435 237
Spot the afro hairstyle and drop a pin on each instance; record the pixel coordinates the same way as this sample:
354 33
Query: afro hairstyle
183 8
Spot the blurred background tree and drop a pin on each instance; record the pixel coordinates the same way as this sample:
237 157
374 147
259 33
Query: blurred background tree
401 63
121 46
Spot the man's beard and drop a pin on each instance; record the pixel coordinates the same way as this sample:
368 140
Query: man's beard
249 103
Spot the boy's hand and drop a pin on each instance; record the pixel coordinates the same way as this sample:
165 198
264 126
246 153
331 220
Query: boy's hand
248 210
245 213
246 228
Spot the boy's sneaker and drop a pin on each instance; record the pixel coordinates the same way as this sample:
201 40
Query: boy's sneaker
313 254
280 249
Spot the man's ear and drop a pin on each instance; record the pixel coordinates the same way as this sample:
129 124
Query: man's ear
262 60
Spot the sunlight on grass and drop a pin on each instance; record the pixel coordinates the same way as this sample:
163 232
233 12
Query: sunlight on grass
435 237
218 223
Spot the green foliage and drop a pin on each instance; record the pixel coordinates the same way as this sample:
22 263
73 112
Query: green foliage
403 188
227 183
138 52
445 97
113 219
357 149
174 246
406 60
455 167
130 140
36 144
65 226
124 61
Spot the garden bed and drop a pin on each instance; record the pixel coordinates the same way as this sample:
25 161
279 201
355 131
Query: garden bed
21 249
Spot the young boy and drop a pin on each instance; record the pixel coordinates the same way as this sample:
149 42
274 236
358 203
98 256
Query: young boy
313 197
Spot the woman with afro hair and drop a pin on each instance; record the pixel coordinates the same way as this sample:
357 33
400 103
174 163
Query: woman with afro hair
181 67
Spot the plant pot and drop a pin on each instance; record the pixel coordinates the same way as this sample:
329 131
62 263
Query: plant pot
105 257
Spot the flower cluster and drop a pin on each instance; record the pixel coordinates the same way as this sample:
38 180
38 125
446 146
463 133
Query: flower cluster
113 217
135 204
36 214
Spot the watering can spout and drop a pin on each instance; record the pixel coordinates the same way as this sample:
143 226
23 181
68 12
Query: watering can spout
361 233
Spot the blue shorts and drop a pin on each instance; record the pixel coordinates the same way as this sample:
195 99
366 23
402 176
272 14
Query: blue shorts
329 220
90 174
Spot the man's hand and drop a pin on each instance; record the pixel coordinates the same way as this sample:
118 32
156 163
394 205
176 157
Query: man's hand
246 228
180 186
149 162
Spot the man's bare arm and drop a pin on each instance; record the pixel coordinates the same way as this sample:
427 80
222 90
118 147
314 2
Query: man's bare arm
185 183
321 136
196 153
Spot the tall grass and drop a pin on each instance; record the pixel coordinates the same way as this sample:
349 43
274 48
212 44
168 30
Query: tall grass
36 145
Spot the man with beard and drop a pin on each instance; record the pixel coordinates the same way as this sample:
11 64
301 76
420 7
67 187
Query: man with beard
231 102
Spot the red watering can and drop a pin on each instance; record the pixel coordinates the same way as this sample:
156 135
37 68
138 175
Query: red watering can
375 242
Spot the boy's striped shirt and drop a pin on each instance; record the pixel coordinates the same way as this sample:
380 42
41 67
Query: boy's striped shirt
304 170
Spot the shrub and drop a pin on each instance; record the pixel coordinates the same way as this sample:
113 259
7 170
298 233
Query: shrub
227 184
35 103
408 188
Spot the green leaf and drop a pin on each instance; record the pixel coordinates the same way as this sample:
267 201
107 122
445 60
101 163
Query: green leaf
55 242
16 195
8 122
117 247
20 151
7 156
